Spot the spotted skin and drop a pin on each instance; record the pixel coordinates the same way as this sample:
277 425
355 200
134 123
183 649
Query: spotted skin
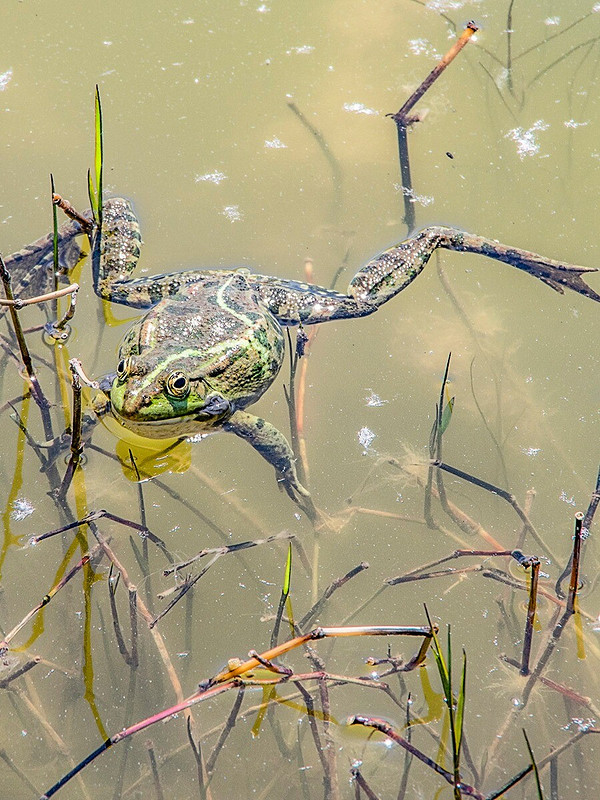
211 342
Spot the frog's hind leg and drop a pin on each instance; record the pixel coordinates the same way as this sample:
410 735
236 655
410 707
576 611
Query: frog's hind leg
394 269
115 251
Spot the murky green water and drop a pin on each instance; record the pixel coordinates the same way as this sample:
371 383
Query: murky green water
199 134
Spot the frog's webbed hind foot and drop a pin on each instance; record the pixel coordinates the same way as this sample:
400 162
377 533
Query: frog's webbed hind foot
556 274
272 446
32 267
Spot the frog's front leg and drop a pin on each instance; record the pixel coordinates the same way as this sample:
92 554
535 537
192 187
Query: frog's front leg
386 275
272 446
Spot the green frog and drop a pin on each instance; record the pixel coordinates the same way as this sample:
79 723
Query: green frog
212 343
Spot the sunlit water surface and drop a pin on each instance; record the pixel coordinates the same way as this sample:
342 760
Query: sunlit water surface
200 135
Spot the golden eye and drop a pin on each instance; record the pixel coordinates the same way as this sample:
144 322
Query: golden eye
177 384
123 368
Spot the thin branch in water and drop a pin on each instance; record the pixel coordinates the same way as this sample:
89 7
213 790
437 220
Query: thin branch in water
403 121
333 587
159 794
227 728
358 778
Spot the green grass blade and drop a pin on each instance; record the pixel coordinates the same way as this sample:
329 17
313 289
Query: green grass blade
460 706
288 572
54 233
447 415
439 659
98 151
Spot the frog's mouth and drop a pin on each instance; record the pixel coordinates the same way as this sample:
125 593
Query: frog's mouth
213 413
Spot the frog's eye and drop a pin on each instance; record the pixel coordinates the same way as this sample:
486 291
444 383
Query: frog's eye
177 384
123 368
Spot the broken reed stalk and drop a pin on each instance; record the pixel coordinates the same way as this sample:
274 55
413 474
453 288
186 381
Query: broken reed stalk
575 562
231 548
585 529
103 514
317 607
76 441
12 307
227 728
403 121
566 616
196 749
129 656
228 679
531 609
158 792
507 496
85 559
385 728
19 672
86 224
36 389
357 777
17 303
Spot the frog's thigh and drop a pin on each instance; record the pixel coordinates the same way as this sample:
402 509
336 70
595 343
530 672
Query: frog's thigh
270 443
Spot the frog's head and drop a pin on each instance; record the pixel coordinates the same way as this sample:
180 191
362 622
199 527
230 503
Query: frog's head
180 372
167 401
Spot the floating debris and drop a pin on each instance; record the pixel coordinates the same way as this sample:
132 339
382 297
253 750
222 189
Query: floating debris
365 438
566 499
232 213
5 78
531 451
359 108
373 400
215 177
527 143
420 47
275 143
302 50
21 509
422 199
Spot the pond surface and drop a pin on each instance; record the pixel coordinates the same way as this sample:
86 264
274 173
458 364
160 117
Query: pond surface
254 134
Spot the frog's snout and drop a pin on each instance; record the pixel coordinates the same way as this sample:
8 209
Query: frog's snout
128 401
